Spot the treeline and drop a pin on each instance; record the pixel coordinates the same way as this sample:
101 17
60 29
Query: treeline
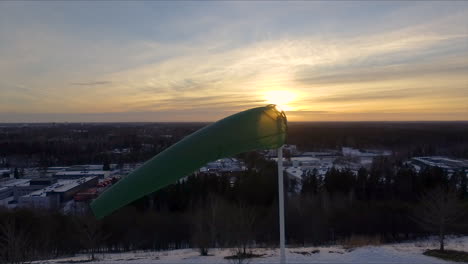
70 144
240 210
406 139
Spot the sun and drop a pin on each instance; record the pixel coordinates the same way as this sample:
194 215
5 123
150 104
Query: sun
281 98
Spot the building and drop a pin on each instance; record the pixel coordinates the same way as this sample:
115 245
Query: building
8 186
51 171
54 195
32 186
367 153
321 154
5 173
447 164
80 174
93 167
86 195
294 173
80 171
288 150
224 165
5 192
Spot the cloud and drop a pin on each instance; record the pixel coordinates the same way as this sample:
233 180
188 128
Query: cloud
157 116
224 102
226 60
372 95
441 66
301 112
91 83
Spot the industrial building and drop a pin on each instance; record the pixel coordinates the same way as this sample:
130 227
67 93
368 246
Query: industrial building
54 195
224 165
81 174
12 189
80 171
5 173
32 186
8 186
447 164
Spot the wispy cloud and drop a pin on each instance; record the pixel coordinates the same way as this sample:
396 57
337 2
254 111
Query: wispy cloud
90 83
223 57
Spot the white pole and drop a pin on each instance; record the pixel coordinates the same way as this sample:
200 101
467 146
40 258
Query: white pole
281 205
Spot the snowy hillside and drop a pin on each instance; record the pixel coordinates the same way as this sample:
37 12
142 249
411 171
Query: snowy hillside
408 252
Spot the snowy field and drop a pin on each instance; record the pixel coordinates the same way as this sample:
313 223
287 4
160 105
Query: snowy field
407 253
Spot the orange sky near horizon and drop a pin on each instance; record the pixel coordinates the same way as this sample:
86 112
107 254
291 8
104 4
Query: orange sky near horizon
185 61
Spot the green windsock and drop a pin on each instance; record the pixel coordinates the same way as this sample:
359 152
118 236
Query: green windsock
253 129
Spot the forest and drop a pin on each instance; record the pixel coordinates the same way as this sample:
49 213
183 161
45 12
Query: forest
388 202
385 204
61 144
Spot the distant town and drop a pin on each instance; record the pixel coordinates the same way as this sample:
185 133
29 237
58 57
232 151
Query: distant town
71 188
347 184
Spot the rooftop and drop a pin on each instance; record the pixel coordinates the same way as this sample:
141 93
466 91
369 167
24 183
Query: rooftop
81 173
15 182
442 162
296 172
61 186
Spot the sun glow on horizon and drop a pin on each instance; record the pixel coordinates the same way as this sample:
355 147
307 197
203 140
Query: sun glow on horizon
281 98
332 62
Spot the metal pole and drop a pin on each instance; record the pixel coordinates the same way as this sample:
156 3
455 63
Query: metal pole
281 205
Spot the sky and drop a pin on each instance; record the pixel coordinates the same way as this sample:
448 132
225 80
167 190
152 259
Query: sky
201 61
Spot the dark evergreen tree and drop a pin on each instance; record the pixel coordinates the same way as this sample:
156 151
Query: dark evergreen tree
361 184
310 182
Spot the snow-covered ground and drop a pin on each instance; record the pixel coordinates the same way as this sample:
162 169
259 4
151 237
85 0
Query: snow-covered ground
407 253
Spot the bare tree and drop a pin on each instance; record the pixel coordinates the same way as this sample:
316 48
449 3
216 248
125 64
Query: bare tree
91 234
439 211
237 257
243 228
14 243
207 224
201 234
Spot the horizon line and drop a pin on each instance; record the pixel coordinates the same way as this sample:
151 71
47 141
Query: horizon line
174 122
